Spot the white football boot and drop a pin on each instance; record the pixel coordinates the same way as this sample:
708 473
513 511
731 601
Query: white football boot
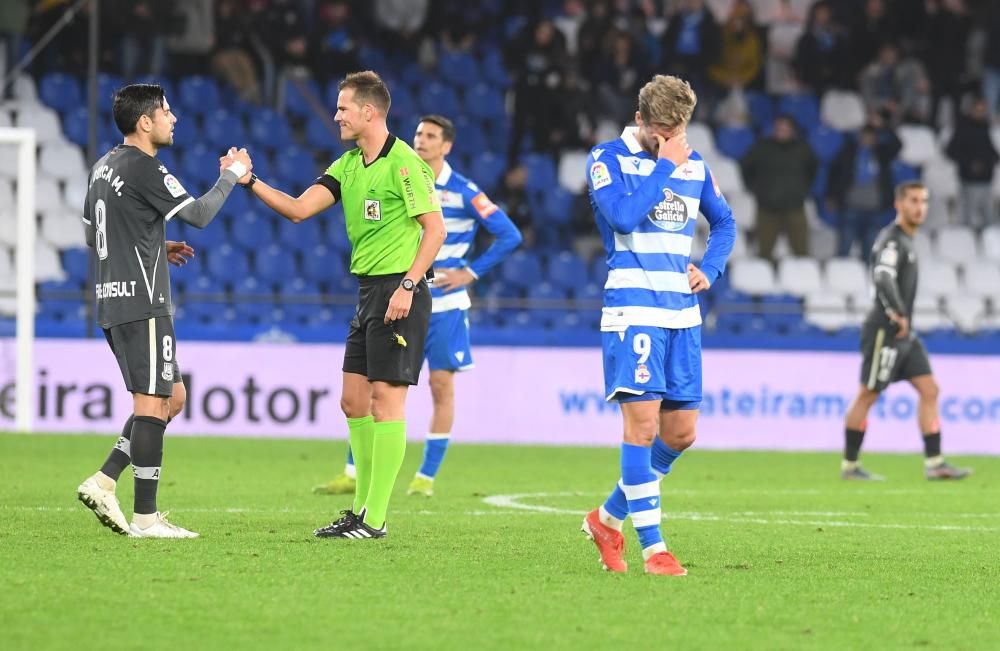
104 504
160 528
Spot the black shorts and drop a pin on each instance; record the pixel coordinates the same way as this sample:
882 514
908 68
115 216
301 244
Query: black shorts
372 349
888 360
146 351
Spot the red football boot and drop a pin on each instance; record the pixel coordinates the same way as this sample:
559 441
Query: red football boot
610 543
664 563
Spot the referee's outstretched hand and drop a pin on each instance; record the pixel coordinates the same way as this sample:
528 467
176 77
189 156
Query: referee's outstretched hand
399 305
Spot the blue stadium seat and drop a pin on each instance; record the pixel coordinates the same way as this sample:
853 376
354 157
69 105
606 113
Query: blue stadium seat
902 172
487 170
567 270
206 287
761 110
302 236
544 294
168 156
599 270
76 126
207 239
302 289
372 58
541 172
107 86
494 70
76 263
435 97
826 142
522 269
320 136
227 264
270 129
498 131
60 91
252 231
262 165
589 296
296 165
275 264
187 133
558 205
404 105
199 162
296 103
198 95
734 142
484 102
238 204
781 312
223 130
457 68
804 109
257 299
322 264
470 138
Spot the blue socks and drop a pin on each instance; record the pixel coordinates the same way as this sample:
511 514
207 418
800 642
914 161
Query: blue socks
642 491
434 451
663 457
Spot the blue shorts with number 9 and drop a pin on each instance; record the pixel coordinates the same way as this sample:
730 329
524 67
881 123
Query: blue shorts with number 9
647 363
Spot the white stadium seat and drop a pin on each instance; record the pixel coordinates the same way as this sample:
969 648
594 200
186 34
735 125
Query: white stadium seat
799 276
752 276
862 300
941 177
845 276
701 140
843 110
44 121
62 160
7 196
48 266
63 228
8 162
8 301
727 175
76 192
47 194
570 165
829 321
982 278
744 208
822 301
937 278
956 244
990 240
966 312
5 120
25 90
923 245
918 144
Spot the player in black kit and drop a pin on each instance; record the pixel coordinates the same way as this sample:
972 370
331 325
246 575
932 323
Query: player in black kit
891 350
131 197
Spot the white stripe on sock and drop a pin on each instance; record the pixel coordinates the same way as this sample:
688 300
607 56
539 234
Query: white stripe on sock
647 518
639 491
351 471
124 445
653 549
609 520
152 472
433 437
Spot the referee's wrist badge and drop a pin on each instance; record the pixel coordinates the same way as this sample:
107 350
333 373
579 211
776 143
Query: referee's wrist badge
249 184
407 284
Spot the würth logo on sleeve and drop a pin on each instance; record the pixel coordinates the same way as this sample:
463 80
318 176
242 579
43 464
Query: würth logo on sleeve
373 210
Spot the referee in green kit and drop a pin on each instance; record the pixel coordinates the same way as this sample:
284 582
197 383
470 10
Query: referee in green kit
395 227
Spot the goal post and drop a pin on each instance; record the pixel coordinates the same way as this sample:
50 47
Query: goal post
25 141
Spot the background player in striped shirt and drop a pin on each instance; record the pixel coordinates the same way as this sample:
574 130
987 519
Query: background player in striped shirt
465 208
646 189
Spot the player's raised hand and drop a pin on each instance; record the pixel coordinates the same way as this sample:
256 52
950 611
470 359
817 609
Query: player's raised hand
399 305
675 149
697 279
178 253
235 156
448 279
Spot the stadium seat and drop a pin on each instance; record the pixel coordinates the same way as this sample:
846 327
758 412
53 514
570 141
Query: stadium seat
322 264
47 194
295 165
557 206
734 142
799 276
60 91
522 269
571 163
903 172
295 101
826 142
781 312
76 263
205 240
744 207
803 108
599 270
918 144
227 264
8 235
701 140
254 300
222 130
63 161
200 162
957 244
63 229
6 195
457 67
939 278
107 86
198 95
275 264
487 170
498 132
727 175
567 270
941 177
494 70
25 89
753 276
842 110
5 118
294 298
435 97
966 312
322 137
990 240
982 278
44 121
484 102
923 245
252 231
845 276
299 237
48 266
470 138
761 110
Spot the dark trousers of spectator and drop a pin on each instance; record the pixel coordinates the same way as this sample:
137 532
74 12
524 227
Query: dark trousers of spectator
857 225
772 223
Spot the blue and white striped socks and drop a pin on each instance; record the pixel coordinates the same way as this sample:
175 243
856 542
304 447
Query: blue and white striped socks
434 451
618 505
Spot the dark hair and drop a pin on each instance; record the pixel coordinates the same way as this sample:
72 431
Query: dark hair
368 88
906 186
134 101
447 126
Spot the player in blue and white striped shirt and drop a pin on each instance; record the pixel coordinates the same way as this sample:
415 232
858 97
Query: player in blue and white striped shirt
447 348
647 188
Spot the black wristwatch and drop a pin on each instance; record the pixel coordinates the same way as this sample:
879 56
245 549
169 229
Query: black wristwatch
407 284
249 184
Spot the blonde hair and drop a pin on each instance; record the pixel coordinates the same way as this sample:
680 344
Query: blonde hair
667 101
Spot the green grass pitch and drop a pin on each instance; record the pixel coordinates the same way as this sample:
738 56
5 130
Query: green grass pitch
781 554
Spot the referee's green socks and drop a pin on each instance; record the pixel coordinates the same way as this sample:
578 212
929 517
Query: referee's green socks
387 458
361 432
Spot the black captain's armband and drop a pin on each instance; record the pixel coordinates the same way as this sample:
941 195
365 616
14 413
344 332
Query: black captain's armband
330 183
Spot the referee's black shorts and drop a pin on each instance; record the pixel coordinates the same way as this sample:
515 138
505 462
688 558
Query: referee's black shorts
888 360
372 349
146 354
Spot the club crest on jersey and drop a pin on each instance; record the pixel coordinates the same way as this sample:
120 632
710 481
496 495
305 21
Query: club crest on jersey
642 375
671 214
174 186
373 210
168 372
